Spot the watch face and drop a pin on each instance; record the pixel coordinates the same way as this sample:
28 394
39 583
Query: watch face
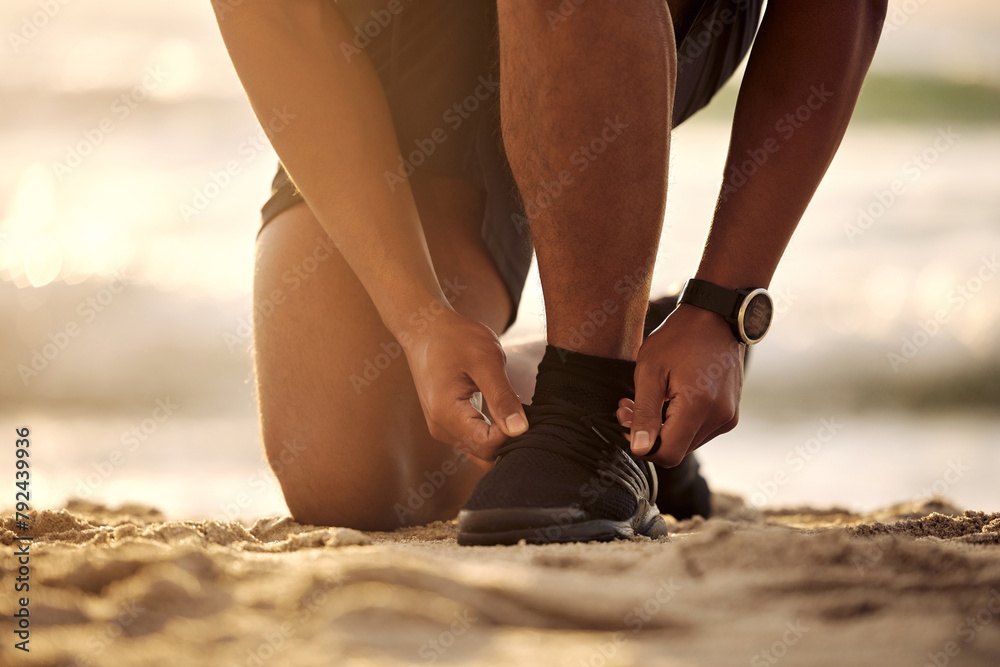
755 319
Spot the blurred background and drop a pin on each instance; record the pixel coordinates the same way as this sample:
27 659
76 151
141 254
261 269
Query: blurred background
131 175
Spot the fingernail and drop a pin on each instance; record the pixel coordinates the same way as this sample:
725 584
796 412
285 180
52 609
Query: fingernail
516 424
640 443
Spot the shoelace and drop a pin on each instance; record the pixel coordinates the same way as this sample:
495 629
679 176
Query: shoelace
571 436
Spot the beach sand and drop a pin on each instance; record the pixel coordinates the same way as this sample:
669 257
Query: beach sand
909 585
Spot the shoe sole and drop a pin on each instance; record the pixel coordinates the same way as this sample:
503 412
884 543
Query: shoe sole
552 525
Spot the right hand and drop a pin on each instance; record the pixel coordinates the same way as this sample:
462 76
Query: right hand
694 364
451 360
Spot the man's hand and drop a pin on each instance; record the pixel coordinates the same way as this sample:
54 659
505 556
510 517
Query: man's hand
450 361
694 363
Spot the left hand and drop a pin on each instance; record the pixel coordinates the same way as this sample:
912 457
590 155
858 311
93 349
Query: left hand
695 364
451 360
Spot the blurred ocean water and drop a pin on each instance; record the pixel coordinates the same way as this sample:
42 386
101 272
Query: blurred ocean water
132 171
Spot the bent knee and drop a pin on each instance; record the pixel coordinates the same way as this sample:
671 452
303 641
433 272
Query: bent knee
352 491
375 512
318 511
320 490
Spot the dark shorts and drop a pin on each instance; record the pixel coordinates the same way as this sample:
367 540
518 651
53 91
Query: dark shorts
437 60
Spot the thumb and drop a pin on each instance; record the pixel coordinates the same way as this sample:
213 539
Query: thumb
501 399
473 433
650 392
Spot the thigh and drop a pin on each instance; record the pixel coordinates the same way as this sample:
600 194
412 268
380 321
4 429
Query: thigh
341 423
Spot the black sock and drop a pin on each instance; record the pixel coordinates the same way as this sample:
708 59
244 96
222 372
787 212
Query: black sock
595 384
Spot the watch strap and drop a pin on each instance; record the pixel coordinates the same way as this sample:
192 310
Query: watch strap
711 297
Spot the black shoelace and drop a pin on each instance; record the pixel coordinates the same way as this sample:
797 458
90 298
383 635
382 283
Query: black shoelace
570 433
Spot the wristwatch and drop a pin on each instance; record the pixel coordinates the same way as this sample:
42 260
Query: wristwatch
748 311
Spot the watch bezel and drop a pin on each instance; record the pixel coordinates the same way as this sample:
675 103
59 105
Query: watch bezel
747 298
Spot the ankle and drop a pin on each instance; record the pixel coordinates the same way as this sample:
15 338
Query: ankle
591 382
600 335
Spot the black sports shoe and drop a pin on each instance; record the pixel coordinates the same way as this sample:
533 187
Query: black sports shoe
570 477
683 492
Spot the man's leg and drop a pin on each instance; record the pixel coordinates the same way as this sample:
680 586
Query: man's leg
586 102
341 422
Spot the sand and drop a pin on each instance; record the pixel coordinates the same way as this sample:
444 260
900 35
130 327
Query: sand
910 585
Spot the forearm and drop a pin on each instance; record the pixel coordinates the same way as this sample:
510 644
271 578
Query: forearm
338 145
801 84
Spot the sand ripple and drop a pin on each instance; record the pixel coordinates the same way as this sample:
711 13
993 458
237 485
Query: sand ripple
125 586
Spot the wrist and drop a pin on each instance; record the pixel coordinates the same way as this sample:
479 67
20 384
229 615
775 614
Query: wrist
732 277
748 312
411 318
704 320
